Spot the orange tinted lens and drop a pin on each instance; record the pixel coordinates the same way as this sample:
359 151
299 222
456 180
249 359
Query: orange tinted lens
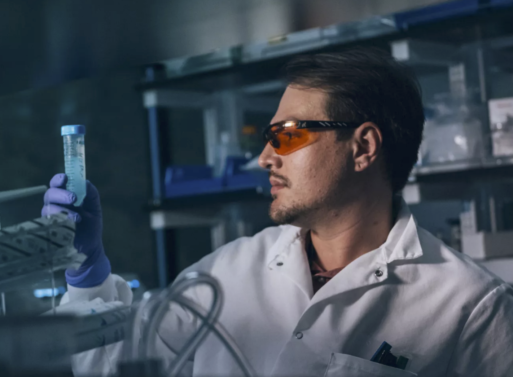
291 139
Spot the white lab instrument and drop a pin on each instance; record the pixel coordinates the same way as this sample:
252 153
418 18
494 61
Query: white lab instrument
34 249
44 244
501 126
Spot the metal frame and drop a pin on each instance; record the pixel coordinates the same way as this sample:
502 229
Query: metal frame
222 115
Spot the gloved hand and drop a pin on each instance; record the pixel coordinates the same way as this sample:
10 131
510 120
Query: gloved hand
88 235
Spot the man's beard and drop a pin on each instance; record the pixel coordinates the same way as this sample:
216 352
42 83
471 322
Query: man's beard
293 214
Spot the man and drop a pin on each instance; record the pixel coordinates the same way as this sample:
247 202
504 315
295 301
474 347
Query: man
348 268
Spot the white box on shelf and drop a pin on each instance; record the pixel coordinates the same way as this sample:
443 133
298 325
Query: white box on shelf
502 267
484 245
468 218
500 109
501 125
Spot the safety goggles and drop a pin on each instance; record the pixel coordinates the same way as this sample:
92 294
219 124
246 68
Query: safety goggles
291 135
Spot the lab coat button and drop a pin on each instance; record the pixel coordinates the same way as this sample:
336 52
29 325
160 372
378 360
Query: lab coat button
378 273
279 264
299 335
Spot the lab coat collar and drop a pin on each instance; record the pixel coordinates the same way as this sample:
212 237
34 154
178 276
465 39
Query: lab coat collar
403 240
288 256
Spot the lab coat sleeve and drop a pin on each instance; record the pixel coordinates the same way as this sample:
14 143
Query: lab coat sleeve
114 290
486 343
177 326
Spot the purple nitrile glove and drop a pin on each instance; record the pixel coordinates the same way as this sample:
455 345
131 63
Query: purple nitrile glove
88 235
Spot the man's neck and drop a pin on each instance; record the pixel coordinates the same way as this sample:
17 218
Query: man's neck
346 234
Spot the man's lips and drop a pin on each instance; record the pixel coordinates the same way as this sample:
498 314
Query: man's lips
275 189
278 182
277 185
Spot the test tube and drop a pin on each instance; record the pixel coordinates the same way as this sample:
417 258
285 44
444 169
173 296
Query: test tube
74 160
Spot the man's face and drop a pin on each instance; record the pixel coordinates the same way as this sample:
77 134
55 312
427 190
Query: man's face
314 179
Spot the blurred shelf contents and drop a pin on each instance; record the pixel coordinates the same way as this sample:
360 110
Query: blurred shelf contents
452 132
437 12
501 126
485 245
198 180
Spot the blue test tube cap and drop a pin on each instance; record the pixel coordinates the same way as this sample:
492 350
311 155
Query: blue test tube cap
75 129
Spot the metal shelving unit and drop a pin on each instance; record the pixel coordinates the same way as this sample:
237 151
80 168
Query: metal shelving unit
226 82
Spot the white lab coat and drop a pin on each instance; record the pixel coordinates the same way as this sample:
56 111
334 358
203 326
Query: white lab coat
434 305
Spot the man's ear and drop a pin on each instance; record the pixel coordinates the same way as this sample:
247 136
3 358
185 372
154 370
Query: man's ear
368 141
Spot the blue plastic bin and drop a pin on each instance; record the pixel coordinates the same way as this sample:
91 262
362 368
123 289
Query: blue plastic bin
436 12
190 180
197 180
234 178
501 3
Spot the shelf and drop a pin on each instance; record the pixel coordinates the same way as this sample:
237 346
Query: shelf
498 168
455 180
417 53
242 65
206 200
201 210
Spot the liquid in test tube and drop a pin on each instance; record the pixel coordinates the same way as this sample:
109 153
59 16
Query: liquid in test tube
74 160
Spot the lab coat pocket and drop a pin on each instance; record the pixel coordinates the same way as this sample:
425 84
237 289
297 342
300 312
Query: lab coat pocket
352 366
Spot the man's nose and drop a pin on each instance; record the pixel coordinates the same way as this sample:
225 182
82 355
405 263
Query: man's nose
269 158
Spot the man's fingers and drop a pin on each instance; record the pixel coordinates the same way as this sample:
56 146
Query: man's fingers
52 209
59 180
92 199
59 196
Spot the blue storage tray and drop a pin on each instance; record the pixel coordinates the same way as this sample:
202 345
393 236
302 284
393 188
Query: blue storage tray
247 180
235 178
436 12
501 3
195 187
177 173
197 180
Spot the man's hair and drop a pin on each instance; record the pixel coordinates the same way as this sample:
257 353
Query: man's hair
369 85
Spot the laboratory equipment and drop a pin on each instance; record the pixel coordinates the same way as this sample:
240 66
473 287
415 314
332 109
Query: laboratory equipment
44 244
74 160
485 240
455 237
148 317
501 126
47 342
453 133
199 180
36 346
21 193
486 245
32 251
20 205
43 345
